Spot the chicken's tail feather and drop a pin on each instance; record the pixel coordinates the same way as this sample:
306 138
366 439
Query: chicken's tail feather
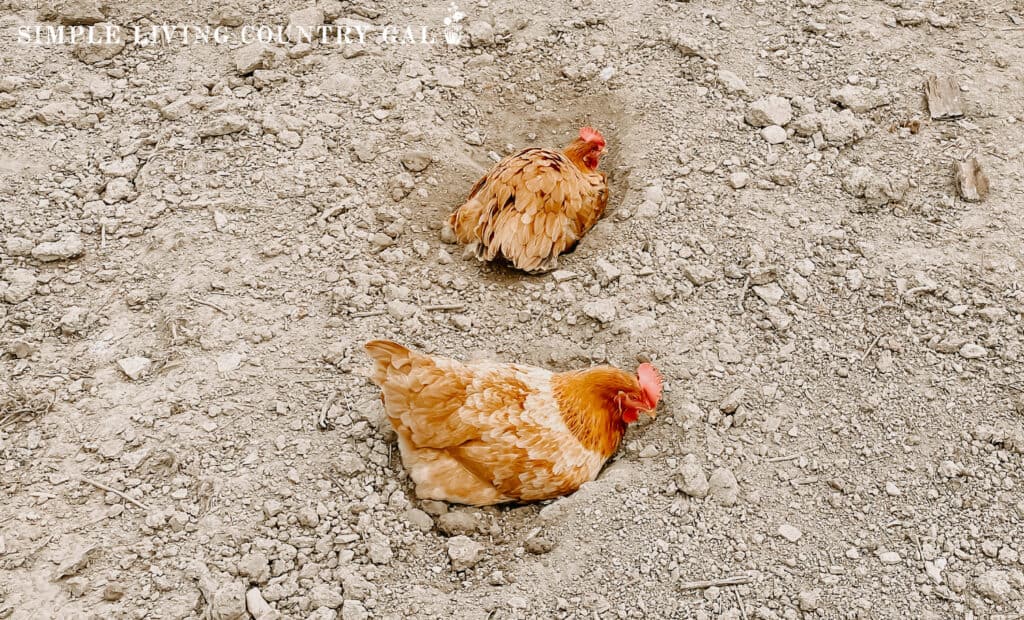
386 354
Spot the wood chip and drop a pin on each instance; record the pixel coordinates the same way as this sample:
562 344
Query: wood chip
944 100
971 181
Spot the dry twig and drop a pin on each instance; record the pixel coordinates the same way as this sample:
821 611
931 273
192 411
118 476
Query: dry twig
122 495
735 580
210 304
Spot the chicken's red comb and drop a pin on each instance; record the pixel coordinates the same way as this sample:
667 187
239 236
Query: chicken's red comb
589 134
650 381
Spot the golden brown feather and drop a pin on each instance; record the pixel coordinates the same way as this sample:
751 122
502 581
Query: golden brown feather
535 205
486 433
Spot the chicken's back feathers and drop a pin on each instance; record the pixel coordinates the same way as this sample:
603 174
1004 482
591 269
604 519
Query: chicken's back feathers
530 208
486 433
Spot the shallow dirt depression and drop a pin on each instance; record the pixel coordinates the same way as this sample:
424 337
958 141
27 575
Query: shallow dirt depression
550 123
196 241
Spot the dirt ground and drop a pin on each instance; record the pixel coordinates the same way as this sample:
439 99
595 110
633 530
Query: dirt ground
195 239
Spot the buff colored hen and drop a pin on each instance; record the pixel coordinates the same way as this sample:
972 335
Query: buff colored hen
535 205
487 433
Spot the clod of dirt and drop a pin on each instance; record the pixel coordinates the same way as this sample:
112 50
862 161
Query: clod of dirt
771 110
875 188
464 552
70 246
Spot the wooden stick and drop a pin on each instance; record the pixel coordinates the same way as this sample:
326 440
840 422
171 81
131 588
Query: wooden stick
871 348
445 307
211 305
130 500
360 315
743 293
743 610
788 457
735 580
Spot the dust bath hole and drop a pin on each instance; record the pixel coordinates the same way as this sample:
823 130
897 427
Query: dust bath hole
554 125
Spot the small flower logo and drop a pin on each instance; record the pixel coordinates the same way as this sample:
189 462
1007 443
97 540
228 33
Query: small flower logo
452 27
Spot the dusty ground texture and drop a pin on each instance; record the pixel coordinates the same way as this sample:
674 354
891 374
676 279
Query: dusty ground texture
195 241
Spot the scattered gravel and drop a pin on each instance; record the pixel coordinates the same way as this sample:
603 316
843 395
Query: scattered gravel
196 239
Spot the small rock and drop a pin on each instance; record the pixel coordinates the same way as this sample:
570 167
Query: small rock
732 83
690 478
889 557
723 487
80 13
738 180
303 25
481 34
227 15
770 110
910 17
225 125
342 85
117 190
809 600
354 610
69 246
74 321
698 274
77 561
308 517
972 351
456 522
255 566
272 508
854 279
256 55
606 272
995 585
258 607
401 310
770 294
790 533
379 551
859 99
419 519
601 310
19 246
434 507
732 402
92 53
135 367
228 602
323 595
21 284
416 161
126 167
774 134
464 552
113 591
539 545
873 188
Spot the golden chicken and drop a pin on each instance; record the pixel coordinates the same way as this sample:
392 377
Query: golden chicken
488 433
535 205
